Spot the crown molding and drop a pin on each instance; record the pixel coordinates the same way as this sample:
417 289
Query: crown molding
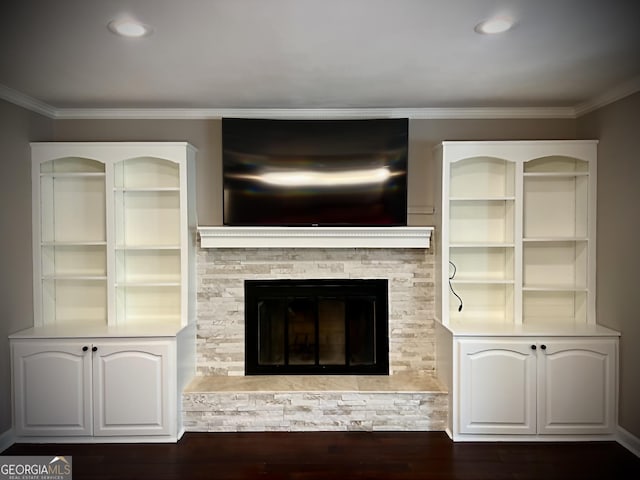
25 101
618 93
335 113
453 113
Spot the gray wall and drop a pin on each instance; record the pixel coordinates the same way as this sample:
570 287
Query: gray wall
17 128
617 126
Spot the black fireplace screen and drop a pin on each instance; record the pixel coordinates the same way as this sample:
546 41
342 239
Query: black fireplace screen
316 326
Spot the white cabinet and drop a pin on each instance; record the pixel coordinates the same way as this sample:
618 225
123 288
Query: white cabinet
114 228
535 385
519 345
94 387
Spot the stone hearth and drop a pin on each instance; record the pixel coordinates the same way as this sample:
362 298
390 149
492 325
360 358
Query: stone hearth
402 402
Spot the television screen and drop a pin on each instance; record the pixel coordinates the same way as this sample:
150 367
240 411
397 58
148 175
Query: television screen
315 172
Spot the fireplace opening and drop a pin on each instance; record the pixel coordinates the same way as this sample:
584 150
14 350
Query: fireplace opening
316 327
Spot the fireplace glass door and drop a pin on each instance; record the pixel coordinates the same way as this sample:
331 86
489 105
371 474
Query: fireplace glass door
316 326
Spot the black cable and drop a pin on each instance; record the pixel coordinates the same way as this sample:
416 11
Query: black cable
451 277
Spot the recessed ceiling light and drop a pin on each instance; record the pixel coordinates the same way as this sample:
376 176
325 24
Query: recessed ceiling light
494 25
129 28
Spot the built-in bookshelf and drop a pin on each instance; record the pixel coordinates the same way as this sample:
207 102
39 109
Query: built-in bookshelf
518 232
519 347
113 233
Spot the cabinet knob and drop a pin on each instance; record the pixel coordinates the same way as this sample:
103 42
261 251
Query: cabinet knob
533 347
85 348
543 347
94 349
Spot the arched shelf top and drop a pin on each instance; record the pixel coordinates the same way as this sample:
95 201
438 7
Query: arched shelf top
494 159
71 166
518 150
556 164
482 177
148 172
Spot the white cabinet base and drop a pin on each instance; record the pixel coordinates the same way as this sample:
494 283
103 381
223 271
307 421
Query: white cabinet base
528 387
535 386
99 389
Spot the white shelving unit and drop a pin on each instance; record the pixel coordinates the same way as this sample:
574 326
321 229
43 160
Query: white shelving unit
515 306
518 232
114 229
113 233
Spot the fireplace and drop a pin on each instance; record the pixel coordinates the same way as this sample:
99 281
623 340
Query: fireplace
327 326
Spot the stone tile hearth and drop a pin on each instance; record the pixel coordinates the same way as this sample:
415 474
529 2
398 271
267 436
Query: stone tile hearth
404 402
401 382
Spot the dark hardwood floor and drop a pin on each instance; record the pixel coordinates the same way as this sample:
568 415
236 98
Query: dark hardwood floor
358 455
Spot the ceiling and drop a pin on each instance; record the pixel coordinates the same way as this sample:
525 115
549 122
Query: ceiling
318 54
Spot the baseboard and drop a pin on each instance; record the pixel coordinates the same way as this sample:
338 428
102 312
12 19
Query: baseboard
6 439
629 441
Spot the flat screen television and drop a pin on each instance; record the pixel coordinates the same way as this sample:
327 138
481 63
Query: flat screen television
315 172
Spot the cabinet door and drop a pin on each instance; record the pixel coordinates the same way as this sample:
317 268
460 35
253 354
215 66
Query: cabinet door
576 386
131 389
497 387
52 394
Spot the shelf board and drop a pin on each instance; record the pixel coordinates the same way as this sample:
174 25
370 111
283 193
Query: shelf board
553 288
482 245
144 284
146 189
556 174
147 247
72 174
74 277
97 243
483 199
483 281
554 239
530 326
151 327
315 237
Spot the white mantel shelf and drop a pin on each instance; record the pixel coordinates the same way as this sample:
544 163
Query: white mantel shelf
315 237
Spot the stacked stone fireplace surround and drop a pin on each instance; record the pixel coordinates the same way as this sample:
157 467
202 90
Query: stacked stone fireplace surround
222 399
